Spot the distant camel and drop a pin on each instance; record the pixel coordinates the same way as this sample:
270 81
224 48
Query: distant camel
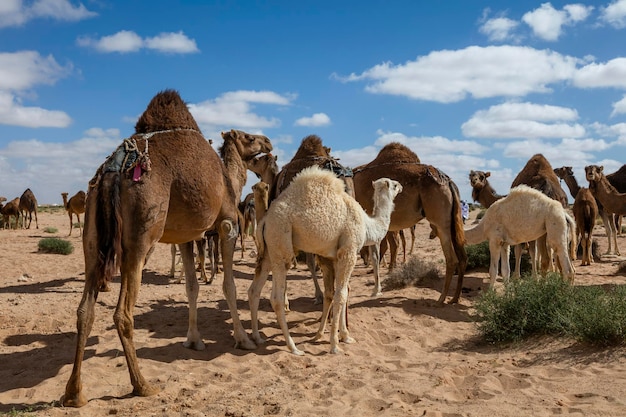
315 215
613 202
482 191
28 205
11 209
428 193
585 211
75 205
248 226
171 192
523 216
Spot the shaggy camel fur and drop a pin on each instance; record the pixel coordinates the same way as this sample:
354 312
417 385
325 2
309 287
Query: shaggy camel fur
523 216
11 209
613 202
171 191
75 205
585 211
311 152
28 206
315 215
538 174
482 191
428 193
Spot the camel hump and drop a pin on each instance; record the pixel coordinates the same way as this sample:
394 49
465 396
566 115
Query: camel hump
395 152
318 175
166 111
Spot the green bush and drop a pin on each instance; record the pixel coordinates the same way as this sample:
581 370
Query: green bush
55 245
50 229
478 256
552 306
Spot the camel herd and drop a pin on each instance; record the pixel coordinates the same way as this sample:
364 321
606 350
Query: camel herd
167 184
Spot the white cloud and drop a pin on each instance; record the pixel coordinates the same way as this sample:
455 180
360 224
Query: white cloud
50 168
523 120
318 119
451 75
615 14
20 72
17 12
499 29
14 114
619 107
24 69
547 23
609 74
126 41
235 110
172 43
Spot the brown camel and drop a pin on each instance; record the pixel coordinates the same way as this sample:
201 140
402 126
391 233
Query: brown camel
311 152
427 193
613 202
75 205
482 191
265 167
585 211
28 205
248 214
11 209
163 184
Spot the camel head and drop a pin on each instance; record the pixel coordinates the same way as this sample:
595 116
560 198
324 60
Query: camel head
387 187
594 172
262 164
564 172
249 145
478 179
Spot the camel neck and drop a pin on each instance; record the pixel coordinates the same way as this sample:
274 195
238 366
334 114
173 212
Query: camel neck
235 167
572 184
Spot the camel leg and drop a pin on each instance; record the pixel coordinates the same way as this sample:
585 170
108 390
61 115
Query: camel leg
343 268
328 274
394 242
494 250
412 239
71 224
311 264
279 278
194 341
452 262
375 260
461 256
254 295
74 396
201 246
80 229
124 321
609 231
517 250
505 252
173 266
228 239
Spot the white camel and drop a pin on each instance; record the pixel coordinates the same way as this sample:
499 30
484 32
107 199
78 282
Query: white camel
314 214
523 216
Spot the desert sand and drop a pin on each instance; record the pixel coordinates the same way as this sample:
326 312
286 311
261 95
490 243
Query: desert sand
411 357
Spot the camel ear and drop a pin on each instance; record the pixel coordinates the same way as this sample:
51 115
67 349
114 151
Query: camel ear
601 168
275 157
224 135
487 174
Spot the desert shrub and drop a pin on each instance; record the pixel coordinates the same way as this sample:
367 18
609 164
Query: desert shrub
552 306
413 272
599 316
50 229
478 256
55 245
526 307
621 268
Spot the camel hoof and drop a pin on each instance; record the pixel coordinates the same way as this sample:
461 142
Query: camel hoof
258 340
348 340
146 391
334 351
297 352
195 345
75 400
377 293
317 336
245 344
455 300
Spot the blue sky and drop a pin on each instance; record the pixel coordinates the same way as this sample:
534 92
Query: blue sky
467 85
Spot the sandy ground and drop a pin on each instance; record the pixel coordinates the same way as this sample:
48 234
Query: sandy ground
411 357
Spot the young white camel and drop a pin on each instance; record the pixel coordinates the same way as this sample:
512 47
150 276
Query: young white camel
314 214
523 216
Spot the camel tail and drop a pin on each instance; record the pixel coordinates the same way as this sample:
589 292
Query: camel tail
458 234
108 227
